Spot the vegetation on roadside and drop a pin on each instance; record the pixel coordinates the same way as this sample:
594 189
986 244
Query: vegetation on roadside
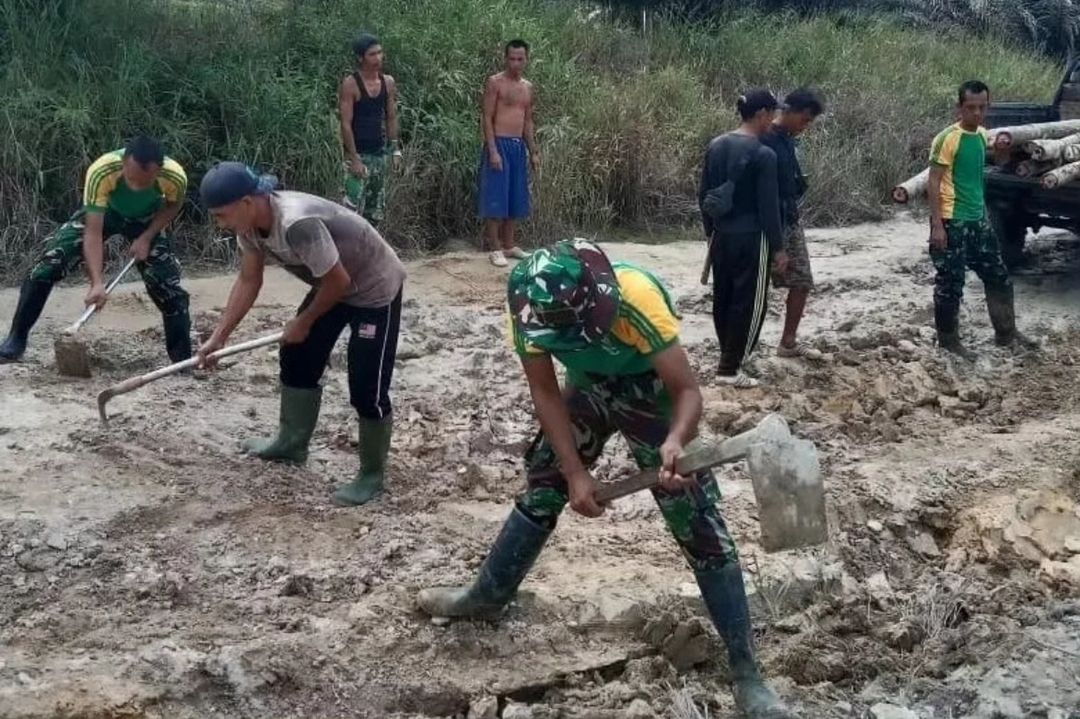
623 117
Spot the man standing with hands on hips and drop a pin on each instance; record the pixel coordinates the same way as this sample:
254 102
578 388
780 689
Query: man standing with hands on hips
504 164
356 281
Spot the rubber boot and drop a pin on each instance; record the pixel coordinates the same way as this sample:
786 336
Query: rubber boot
947 321
32 298
725 598
299 414
510 559
1001 306
374 448
178 336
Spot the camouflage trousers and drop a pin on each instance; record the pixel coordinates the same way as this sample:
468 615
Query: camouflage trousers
971 245
367 195
639 408
160 272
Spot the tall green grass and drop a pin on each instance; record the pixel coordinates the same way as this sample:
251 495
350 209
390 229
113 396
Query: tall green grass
623 118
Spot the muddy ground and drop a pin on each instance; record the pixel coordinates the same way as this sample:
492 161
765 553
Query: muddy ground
148 569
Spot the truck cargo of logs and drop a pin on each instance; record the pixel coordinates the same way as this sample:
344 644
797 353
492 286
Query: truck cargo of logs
1049 152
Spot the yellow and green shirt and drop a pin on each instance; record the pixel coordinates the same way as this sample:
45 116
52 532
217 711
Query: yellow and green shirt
647 324
106 190
962 155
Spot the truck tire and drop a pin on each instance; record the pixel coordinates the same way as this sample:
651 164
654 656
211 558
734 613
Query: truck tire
1011 230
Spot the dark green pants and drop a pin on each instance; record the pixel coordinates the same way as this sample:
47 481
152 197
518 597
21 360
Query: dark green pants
639 408
971 245
160 272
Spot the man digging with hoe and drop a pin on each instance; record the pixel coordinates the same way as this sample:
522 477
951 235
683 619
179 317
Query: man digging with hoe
615 330
356 282
136 192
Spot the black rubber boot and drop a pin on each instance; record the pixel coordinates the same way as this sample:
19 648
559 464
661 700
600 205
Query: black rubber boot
178 336
947 321
511 557
1002 308
32 298
725 598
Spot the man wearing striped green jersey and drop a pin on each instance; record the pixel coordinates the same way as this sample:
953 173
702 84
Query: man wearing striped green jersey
135 192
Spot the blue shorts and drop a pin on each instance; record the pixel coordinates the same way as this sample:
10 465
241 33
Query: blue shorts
505 195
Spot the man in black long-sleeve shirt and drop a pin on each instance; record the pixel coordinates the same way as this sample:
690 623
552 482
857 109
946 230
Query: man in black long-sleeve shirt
801 108
743 239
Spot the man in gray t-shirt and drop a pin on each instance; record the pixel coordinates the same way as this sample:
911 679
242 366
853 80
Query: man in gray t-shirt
356 280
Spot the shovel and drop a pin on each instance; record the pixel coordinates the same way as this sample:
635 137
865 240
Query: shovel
785 473
72 356
134 383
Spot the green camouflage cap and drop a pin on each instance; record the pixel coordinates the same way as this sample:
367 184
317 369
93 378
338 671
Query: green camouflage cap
565 297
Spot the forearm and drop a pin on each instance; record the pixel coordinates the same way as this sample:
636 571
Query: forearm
686 415
328 294
934 197
530 138
348 142
241 298
393 130
555 423
94 255
489 133
161 220
769 208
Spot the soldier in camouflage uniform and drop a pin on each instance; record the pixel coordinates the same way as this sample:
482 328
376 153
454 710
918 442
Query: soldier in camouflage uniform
615 329
135 192
960 234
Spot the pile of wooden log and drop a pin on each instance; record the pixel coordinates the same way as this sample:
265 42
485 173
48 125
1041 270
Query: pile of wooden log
1049 151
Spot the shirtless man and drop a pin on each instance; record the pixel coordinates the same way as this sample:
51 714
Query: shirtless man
367 106
504 172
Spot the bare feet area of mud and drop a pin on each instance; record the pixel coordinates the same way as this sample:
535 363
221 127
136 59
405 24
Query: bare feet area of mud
149 569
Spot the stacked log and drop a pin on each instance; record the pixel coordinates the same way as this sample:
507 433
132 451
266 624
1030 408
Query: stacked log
1034 168
1049 151
1009 137
1061 175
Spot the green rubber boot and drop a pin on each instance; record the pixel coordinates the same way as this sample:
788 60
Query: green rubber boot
299 414
374 448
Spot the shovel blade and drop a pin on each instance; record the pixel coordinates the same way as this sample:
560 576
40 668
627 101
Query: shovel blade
790 494
72 357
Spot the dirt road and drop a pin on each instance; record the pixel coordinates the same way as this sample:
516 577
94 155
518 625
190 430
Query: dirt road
151 570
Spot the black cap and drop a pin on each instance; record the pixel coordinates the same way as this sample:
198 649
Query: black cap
228 182
754 101
365 42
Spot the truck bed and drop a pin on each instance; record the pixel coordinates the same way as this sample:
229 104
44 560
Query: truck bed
1062 203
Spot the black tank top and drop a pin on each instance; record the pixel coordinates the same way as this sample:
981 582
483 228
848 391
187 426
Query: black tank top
368 116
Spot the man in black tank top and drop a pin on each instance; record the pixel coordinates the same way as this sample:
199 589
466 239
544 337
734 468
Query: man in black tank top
367 104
